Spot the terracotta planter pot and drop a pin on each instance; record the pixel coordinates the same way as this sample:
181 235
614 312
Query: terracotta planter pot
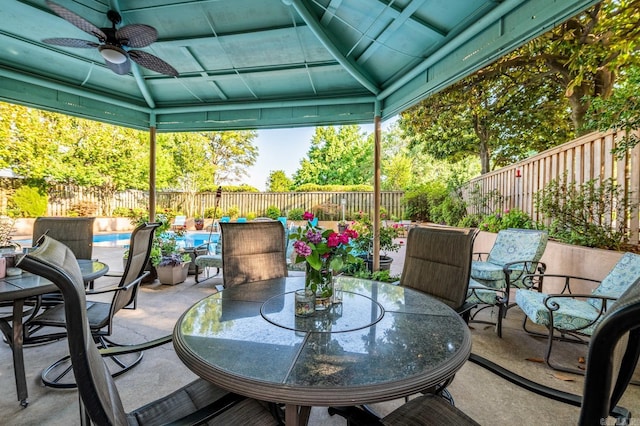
173 275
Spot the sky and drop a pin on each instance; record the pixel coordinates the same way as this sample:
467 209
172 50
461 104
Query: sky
282 149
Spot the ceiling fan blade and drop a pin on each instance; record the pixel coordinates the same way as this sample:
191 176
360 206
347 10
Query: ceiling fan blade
77 20
71 42
121 69
136 35
152 62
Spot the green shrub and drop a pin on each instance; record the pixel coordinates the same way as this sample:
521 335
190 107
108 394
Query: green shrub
29 201
272 212
509 219
295 214
233 212
121 212
312 187
585 215
83 209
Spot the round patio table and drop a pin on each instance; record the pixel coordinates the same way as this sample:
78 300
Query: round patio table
381 343
16 290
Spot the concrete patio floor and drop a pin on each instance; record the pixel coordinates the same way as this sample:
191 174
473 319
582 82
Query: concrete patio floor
482 395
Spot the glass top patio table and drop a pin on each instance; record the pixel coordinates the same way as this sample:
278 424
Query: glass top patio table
383 342
16 290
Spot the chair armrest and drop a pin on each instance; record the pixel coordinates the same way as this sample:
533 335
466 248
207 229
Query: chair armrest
117 287
480 255
566 289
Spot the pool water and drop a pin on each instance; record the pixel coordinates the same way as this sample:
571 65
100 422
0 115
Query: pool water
121 239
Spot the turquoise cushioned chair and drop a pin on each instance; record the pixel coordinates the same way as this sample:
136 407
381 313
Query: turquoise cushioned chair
515 254
575 316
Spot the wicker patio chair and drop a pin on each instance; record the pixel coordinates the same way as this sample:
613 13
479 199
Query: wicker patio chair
99 397
100 314
515 253
573 317
252 251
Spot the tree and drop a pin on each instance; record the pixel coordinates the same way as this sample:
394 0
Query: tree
579 60
585 54
230 153
337 156
278 181
501 118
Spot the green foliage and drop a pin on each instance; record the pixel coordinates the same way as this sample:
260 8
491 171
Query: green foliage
233 212
484 203
240 188
251 215
358 268
450 211
364 227
29 201
213 213
295 214
278 181
273 212
422 202
83 209
509 219
121 212
581 214
337 156
312 187
620 111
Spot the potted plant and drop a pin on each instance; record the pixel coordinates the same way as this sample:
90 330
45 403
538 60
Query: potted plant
173 264
6 229
198 223
138 217
364 243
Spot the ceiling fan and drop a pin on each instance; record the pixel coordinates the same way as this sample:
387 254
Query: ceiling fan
114 44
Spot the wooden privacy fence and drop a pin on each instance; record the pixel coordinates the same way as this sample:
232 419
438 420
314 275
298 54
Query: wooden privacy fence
583 159
63 199
326 205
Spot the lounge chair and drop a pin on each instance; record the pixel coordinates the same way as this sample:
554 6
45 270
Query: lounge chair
179 223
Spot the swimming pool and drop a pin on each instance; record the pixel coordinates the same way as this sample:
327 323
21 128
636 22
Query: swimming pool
121 239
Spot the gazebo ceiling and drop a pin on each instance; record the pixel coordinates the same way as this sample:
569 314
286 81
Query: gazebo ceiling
248 64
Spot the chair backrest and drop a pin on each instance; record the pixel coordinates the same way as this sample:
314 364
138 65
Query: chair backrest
241 220
438 262
518 244
74 232
179 220
623 274
139 253
56 262
252 251
614 349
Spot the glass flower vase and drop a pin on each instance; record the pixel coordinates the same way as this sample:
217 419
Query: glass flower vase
321 282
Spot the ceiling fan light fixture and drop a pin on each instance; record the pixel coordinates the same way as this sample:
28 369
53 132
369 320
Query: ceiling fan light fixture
113 54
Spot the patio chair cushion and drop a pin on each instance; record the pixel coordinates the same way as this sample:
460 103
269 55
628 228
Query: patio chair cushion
623 274
573 314
576 313
511 245
480 293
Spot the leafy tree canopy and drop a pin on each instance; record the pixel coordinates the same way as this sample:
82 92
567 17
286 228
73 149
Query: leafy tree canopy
337 156
278 181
